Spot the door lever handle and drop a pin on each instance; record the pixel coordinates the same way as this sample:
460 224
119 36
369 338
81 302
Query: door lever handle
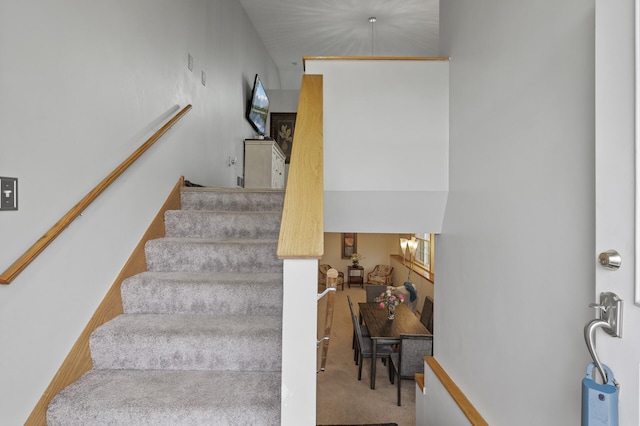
610 320
590 339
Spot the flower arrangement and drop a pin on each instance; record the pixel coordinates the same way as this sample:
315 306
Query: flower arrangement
389 300
356 258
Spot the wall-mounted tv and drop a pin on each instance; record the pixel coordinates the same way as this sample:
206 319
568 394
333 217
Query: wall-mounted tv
258 108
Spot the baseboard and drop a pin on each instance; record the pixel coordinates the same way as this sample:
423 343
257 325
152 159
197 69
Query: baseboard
78 361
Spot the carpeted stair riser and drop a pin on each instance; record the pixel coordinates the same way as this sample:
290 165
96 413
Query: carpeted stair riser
222 225
203 293
188 342
200 341
204 199
200 255
175 398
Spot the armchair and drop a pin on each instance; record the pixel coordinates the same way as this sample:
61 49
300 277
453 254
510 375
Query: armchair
381 274
322 277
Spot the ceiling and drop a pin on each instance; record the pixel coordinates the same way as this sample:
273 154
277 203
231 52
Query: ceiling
291 29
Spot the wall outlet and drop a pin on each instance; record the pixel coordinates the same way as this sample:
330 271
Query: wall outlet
8 193
240 181
190 62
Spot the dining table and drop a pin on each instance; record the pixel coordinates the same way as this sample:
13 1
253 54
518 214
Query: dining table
382 330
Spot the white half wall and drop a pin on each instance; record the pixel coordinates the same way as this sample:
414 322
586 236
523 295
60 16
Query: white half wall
386 144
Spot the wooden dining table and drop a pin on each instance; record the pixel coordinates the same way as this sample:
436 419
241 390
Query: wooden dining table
385 331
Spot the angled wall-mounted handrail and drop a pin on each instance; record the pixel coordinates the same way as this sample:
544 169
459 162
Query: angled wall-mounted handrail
28 256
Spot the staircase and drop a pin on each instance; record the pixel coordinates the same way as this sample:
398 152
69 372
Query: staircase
200 339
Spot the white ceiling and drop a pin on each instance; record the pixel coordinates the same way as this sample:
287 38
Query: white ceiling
291 29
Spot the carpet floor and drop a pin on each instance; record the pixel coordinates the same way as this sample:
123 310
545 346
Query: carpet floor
368 424
341 398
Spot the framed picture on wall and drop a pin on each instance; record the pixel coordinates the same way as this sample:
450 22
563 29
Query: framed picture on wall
283 124
349 244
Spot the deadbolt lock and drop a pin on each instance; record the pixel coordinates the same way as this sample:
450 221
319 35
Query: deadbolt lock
610 259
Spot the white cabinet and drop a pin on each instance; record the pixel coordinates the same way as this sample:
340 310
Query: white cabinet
263 164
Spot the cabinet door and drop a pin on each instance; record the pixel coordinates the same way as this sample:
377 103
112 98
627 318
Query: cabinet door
260 167
278 168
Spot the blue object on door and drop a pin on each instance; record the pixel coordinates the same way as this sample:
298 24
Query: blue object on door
599 401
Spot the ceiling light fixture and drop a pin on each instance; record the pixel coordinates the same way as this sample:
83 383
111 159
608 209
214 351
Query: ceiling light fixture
372 20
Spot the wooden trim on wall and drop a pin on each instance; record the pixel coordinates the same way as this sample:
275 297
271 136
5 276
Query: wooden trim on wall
419 378
417 268
456 393
78 361
370 58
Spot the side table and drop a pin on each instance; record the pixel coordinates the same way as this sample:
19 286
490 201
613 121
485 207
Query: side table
355 275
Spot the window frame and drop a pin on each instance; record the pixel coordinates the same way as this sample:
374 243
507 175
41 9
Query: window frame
425 244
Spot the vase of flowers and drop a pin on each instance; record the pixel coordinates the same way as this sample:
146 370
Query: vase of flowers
355 259
392 312
388 300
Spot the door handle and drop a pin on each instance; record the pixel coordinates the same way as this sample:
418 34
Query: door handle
610 321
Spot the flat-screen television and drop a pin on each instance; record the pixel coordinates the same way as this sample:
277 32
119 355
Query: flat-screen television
258 108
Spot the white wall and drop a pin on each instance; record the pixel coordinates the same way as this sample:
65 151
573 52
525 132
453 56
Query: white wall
82 85
515 258
385 144
283 100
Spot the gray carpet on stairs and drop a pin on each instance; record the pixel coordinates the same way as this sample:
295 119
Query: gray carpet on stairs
200 339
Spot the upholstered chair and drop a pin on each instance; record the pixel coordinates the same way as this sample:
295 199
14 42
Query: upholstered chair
322 277
409 359
381 274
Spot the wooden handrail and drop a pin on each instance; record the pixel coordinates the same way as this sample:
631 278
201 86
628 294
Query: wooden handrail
469 411
302 227
28 256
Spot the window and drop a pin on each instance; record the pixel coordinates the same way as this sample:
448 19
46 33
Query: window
423 252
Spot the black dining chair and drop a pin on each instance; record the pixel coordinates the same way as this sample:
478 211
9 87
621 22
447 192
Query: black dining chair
374 291
409 359
365 347
363 328
426 316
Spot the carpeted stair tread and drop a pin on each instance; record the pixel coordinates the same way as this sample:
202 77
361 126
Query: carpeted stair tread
200 341
168 398
203 293
223 224
231 199
205 254
188 342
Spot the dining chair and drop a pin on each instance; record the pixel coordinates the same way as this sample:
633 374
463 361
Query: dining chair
365 347
363 328
409 359
426 316
374 291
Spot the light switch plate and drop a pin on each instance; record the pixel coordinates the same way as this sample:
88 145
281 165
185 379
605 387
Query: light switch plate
8 193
